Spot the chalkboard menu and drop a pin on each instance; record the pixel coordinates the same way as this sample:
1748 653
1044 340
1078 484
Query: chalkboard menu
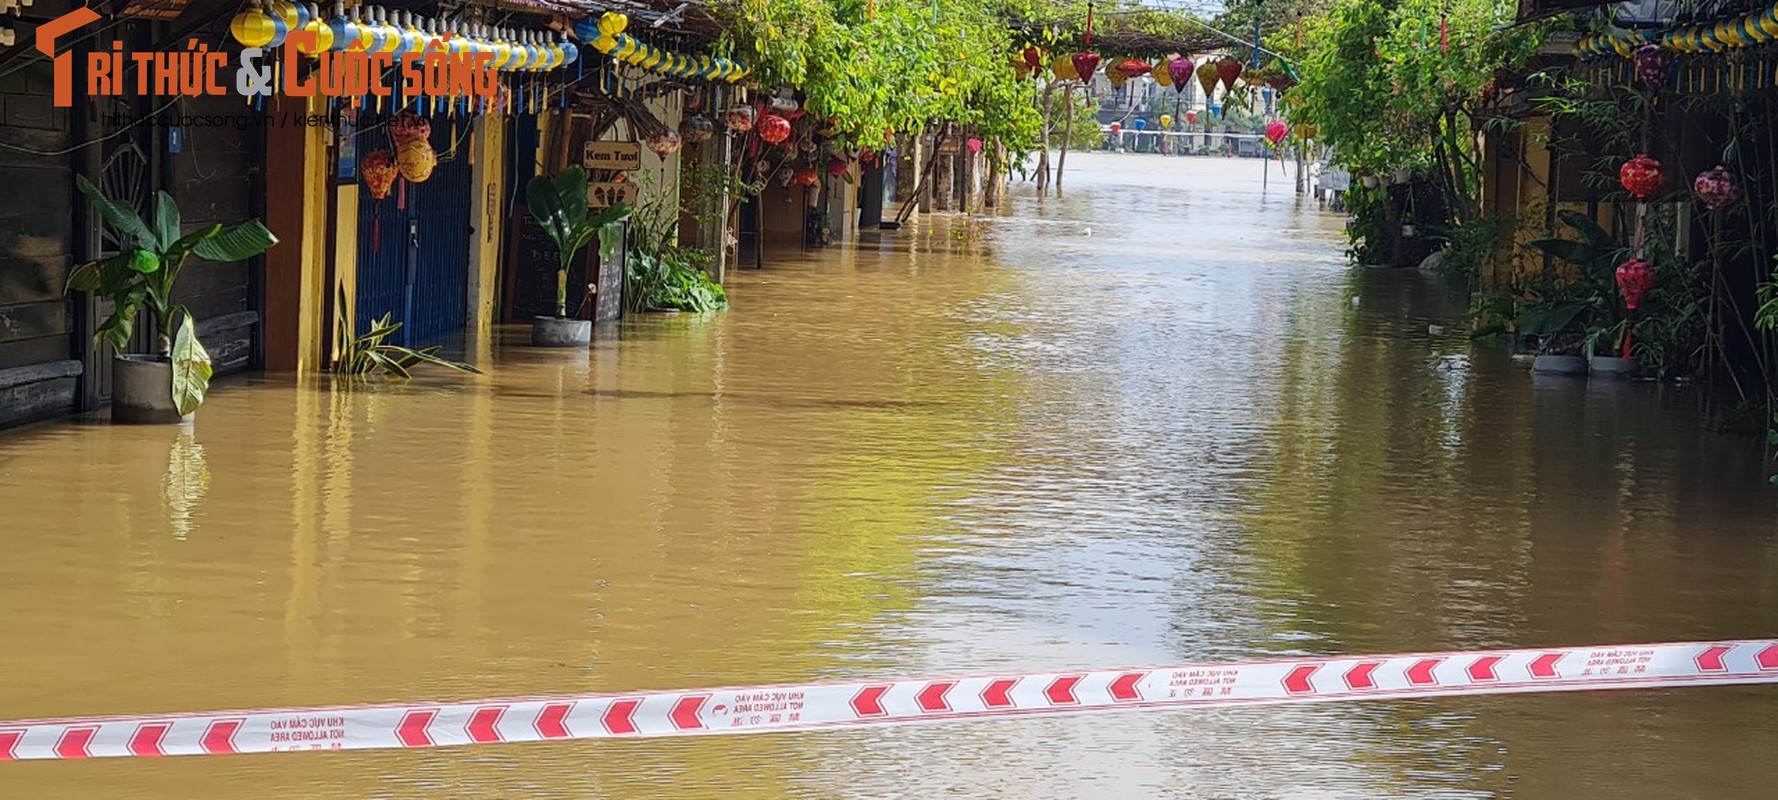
532 261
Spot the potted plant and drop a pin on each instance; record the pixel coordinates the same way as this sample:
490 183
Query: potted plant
168 384
1574 316
559 204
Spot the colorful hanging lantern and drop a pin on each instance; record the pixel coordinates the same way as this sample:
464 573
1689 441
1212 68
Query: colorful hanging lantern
805 176
1132 67
1207 77
975 145
1162 77
664 143
1306 130
1228 70
773 129
1276 131
1063 67
1651 66
1634 280
253 27
837 167
1642 177
1116 78
1116 128
1716 188
1166 121
696 130
1191 116
1033 57
408 127
1085 64
1179 70
739 119
416 159
378 171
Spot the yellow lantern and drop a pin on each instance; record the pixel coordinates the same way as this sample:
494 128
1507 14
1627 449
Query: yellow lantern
1161 76
323 33
1768 21
1166 122
653 60
1063 67
253 27
415 160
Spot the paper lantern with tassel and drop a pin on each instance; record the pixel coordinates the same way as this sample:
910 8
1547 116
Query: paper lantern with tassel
1276 131
1063 67
1716 188
253 27
1162 76
1643 177
1207 77
378 172
773 128
416 159
1228 69
1085 64
664 143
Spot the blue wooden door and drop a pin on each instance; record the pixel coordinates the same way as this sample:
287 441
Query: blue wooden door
413 252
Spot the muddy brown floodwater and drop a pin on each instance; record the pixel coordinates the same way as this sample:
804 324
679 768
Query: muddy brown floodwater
1144 424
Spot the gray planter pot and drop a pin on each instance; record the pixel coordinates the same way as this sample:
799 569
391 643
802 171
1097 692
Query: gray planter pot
142 391
1559 365
561 332
1611 367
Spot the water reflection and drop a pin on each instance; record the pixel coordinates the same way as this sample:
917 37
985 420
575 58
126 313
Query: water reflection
993 445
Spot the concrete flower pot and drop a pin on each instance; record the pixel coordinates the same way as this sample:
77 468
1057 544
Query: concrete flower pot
1559 365
561 332
1611 367
142 391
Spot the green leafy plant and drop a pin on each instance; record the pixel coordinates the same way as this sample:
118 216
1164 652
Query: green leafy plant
142 277
367 353
1582 311
659 273
559 204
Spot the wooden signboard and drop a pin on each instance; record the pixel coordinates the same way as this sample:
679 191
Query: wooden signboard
156 9
606 195
612 155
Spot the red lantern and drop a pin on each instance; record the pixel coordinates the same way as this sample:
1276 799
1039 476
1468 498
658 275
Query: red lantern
739 119
1634 278
1133 67
837 167
805 176
1180 70
408 127
1191 117
1228 69
975 145
1276 130
1643 177
773 128
378 171
1115 127
1085 64
1033 57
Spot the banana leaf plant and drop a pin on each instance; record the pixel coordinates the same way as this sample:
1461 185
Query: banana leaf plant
1586 304
559 204
143 274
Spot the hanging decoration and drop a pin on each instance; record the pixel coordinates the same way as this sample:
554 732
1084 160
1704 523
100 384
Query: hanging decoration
1207 77
773 128
1117 79
1033 57
253 27
1116 128
1651 66
606 35
1634 280
805 176
1085 64
837 167
1228 69
1166 122
1180 71
1276 132
1642 177
416 159
975 145
1306 131
1716 188
1063 68
738 119
377 169
1191 116
664 143
1133 67
696 129
1162 77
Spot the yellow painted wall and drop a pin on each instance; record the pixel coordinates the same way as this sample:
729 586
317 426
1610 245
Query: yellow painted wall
488 164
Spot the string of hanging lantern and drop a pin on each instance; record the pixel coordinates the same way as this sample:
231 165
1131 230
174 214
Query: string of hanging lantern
1731 34
606 35
520 55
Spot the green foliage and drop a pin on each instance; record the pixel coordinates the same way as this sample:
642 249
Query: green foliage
143 277
1471 245
881 66
559 204
1084 134
368 353
144 274
658 272
1385 94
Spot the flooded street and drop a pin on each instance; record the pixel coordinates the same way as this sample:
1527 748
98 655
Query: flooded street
1146 423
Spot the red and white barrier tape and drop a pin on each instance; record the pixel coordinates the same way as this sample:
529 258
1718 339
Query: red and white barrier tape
767 709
